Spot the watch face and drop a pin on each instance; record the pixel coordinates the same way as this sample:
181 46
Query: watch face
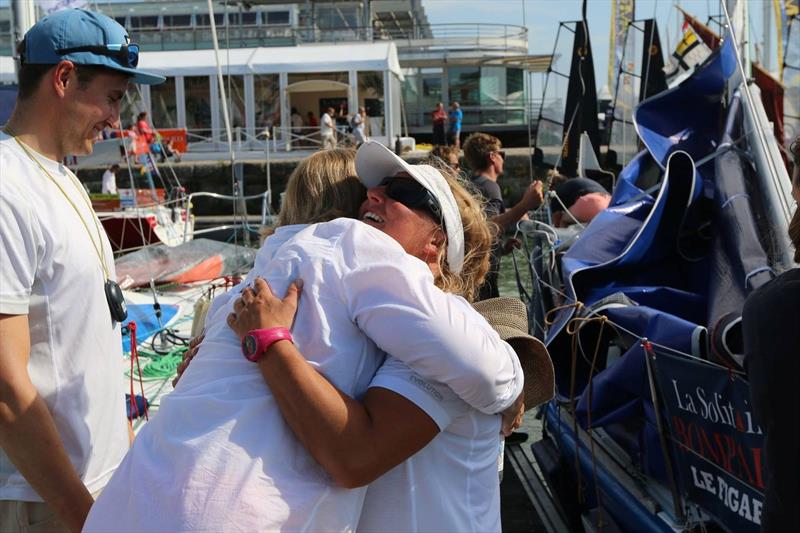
250 345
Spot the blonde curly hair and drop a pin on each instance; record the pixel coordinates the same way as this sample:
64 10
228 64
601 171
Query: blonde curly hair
477 240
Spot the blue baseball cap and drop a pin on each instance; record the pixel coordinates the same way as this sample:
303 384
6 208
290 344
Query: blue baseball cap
85 38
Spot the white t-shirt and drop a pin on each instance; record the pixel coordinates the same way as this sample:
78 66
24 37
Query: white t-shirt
109 183
49 270
449 485
219 456
326 125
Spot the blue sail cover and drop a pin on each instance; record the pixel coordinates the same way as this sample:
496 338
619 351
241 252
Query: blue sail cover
678 250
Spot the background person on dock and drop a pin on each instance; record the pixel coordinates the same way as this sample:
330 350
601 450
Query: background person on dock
454 133
439 121
109 185
359 125
770 322
63 428
327 130
486 158
219 455
445 154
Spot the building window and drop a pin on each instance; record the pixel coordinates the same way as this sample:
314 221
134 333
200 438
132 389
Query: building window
163 104
234 90
267 96
204 21
465 85
410 95
198 103
131 106
177 21
370 92
148 22
242 19
515 86
277 18
122 21
431 87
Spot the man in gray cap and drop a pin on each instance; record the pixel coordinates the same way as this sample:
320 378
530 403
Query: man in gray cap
62 414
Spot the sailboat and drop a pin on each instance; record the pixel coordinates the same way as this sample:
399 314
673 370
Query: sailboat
651 428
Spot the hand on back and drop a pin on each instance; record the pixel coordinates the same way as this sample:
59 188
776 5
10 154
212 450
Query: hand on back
259 308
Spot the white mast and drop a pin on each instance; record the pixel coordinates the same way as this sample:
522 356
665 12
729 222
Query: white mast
23 16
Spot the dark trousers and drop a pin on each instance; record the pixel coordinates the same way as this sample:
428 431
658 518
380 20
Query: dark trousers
438 134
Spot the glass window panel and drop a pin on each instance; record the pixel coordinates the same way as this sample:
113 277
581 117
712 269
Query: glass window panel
277 17
492 86
515 86
234 88
431 91
144 22
164 105
370 92
242 19
198 103
465 85
132 105
267 96
204 21
177 21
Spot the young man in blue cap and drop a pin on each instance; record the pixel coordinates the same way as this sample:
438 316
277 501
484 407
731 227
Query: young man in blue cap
62 416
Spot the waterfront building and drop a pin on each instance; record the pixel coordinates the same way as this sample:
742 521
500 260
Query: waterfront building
383 55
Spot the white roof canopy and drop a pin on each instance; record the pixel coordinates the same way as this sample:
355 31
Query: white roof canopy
379 56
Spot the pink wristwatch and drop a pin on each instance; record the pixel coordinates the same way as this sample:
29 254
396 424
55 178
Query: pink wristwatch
256 342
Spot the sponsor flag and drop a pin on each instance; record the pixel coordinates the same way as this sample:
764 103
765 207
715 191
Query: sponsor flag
622 14
719 445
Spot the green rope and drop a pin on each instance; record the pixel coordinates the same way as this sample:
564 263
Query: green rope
160 366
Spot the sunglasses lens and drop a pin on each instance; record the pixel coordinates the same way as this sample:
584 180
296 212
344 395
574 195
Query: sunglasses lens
406 191
133 55
413 195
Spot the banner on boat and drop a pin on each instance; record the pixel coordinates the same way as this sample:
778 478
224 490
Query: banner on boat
719 445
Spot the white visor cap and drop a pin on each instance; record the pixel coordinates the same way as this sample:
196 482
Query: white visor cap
374 162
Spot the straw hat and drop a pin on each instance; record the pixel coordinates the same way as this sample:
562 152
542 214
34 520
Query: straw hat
509 318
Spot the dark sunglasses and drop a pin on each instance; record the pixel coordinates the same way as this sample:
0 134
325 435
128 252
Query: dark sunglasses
502 153
125 54
413 195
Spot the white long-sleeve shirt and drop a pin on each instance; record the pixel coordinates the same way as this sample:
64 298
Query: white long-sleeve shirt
219 455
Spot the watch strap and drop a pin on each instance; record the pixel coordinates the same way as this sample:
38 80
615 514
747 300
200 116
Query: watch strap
261 340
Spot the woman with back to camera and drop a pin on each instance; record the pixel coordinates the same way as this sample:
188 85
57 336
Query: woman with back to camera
219 454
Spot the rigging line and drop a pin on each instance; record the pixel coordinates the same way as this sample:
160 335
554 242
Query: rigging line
566 210
583 85
158 142
136 207
225 114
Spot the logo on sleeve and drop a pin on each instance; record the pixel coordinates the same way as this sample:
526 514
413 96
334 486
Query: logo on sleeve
427 387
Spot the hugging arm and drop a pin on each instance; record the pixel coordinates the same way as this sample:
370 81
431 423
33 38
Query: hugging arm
439 336
355 442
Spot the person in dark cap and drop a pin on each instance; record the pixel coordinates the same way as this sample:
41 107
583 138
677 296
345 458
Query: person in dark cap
63 428
577 200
